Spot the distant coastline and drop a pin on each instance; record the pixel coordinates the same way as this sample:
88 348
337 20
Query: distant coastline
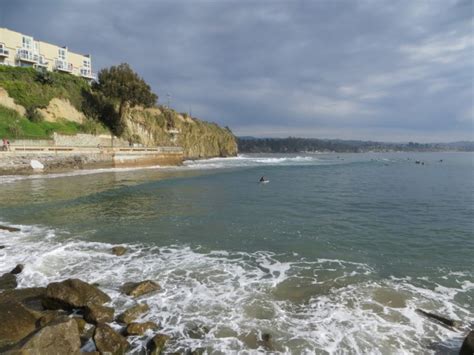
309 145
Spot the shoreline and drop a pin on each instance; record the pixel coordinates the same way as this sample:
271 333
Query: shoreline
18 161
52 307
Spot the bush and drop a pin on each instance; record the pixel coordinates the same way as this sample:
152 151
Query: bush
34 115
44 77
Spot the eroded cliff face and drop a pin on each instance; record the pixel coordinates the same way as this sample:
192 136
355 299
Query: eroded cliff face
162 126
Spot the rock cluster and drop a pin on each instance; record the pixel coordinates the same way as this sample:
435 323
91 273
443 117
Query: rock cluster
64 316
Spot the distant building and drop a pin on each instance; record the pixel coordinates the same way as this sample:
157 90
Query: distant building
17 49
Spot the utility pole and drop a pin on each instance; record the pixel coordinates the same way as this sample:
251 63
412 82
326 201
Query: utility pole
168 96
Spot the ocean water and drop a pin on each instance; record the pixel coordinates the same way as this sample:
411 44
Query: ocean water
332 256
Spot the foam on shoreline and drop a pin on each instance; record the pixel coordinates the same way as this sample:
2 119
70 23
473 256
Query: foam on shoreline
223 301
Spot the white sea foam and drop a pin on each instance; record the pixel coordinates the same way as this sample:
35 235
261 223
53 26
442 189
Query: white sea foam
223 301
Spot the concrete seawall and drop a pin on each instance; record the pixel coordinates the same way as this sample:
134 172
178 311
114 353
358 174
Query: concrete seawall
18 159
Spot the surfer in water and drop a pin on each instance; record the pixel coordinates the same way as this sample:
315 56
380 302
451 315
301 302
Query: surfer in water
262 179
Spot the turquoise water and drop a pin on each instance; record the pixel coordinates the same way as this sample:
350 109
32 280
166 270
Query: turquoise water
333 255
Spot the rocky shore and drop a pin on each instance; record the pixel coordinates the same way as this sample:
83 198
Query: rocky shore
75 317
65 317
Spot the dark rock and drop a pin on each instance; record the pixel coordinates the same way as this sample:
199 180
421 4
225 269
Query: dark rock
137 289
48 316
94 313
16 322
81 324
119 250
140 328
8 281
443 320
73 293
10 229
133 313
86 331
266 341
18 269
60 336
467 347
156 344
30 297
108 340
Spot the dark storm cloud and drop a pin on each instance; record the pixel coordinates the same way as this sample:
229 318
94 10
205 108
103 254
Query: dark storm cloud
392 70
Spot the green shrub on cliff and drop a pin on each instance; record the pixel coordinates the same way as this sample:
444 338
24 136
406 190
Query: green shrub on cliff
31 88
12 126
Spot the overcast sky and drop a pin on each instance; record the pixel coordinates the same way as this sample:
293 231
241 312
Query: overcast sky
380 70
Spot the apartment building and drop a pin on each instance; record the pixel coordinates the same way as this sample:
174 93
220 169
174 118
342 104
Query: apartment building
17 49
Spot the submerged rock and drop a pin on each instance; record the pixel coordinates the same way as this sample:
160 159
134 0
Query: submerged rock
73 293
94 313
119 250
266 341
16 322
140 328
17 269
133 313
443 320
8 281
467 347
108 340
156 345
10 229
58 337
137 289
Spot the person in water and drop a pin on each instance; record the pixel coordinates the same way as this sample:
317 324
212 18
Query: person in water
262 179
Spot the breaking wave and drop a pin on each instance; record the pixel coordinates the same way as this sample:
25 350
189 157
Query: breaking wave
223 301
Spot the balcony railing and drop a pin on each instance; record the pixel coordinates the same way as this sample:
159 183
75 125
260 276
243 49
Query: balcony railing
27 56
42 62
87 73
4 52
62 65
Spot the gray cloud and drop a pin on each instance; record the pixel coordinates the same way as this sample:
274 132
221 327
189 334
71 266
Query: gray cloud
392 70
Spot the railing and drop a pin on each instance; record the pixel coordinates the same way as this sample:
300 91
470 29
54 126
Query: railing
87 73
27 55
4 52
63 65
42 62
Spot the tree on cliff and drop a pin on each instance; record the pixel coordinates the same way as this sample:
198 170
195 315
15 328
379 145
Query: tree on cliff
122 86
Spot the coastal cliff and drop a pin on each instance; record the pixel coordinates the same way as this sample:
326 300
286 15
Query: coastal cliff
163 126
35 105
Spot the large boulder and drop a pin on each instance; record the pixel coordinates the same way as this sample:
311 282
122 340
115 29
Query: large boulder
8 281
16 322
135 328
133 313
73 293
30 297
156 344
60 336
137 289
467 347
108 340
94 313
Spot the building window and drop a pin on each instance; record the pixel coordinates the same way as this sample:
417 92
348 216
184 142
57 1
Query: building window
62 53
27 42
86 63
